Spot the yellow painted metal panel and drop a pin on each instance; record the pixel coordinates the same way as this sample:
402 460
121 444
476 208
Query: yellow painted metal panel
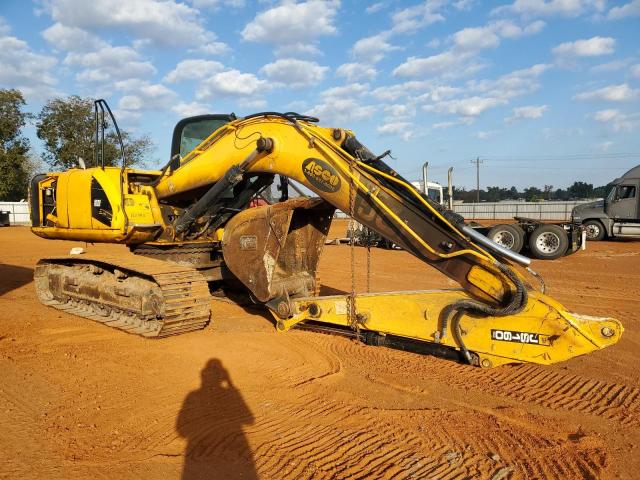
138 209
62 194
539 334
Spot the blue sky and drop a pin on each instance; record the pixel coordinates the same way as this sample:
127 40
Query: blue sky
545 92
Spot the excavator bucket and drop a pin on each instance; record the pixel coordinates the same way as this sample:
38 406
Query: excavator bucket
274 250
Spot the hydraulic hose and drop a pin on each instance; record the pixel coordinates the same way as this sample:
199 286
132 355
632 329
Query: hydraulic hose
516 304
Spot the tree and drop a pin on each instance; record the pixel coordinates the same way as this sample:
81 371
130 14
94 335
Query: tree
561 194
15 165
532 194
67 127
602 191
580 190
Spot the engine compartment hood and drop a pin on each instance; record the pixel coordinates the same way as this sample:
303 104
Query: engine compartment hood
581 212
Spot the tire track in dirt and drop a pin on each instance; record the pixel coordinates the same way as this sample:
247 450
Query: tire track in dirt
356 442
534 384
153 426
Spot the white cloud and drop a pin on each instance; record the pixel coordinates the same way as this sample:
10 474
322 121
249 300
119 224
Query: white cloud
66 38
141 95
605 146
230 83
401 110
565 8
611 93
403 129
614 118
631 9
293 23
373 49
5 29
514 84
508 29
164 22
351 90
465 107
253 103
24 69
213 48
612 66
356 71
528 112
217 4
440 64
294 73
483 95
375 7
635 71
391 93
297 49
444 125
449 124
460 59
439 93
184 109
591 47
195 69
418 16
341 111
341 105
476 38
485 134
463 5
108 64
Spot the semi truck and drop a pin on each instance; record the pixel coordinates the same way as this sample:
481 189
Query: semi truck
617 215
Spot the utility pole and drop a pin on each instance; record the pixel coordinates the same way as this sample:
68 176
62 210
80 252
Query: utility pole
477 161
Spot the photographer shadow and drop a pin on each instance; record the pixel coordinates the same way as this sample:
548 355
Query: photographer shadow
212 420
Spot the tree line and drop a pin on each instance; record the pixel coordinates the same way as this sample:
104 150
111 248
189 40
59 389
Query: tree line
578 190
66 127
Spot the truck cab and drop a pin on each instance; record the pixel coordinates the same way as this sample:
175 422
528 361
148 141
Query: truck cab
618 215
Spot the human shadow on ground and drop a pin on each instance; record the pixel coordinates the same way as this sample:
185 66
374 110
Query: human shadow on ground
211 420
12 277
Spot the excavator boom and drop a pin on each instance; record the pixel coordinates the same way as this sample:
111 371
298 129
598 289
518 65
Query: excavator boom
193 212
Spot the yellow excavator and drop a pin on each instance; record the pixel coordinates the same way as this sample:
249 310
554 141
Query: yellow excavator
193 231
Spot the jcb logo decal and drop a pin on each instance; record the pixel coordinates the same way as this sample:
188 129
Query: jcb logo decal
321 175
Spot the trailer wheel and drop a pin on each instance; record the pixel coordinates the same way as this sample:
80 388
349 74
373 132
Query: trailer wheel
595 230
509 236
548 242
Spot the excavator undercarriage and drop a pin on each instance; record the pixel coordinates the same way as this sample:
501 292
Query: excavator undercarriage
192 231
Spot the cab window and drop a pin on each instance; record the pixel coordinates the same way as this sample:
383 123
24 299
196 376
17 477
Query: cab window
190 132
626 191
194 133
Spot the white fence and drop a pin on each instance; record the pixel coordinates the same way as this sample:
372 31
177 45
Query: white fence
508 210
18 212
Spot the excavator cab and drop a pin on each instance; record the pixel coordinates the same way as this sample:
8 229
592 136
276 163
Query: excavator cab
191 132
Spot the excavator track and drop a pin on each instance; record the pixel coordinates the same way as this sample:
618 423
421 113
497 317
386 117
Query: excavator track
137 295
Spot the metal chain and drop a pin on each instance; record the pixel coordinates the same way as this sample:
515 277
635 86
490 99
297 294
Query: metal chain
351 298
369 267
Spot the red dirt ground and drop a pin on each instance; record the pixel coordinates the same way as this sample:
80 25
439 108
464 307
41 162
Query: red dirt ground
239 400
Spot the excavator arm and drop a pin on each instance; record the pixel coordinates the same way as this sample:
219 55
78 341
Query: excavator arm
273 250
496 310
